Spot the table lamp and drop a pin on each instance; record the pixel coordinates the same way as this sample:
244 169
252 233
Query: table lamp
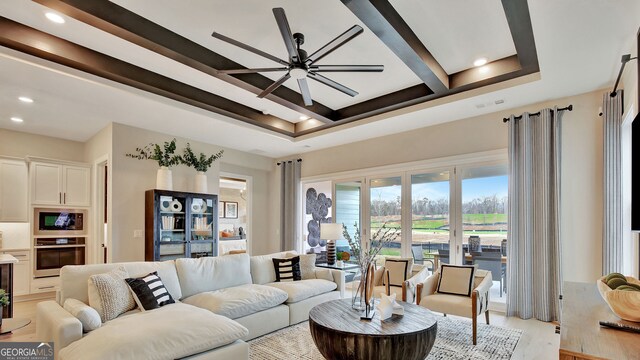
331 232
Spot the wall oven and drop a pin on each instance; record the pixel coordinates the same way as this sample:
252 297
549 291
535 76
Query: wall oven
52 253
59 222
59 239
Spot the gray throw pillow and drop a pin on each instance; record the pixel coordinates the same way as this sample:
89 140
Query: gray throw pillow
110 295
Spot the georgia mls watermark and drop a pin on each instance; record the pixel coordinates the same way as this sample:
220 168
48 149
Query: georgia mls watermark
26 351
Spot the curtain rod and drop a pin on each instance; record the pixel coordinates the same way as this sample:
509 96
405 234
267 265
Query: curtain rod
570 108
290 161
625 59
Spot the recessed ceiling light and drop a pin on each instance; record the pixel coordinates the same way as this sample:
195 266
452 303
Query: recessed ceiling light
16 119
25 99
480 62
54 18
304 117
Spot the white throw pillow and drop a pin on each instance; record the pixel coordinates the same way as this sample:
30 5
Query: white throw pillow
87 315
109 294
399 270
456 280
308 266
324 274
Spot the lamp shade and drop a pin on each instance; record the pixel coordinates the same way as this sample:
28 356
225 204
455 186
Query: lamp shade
330 231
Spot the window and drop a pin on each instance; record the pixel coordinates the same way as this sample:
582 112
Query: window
386 209
430 226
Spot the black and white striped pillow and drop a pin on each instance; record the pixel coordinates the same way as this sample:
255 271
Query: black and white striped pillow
287 269
149 291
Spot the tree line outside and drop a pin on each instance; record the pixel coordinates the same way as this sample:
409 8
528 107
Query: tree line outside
433 214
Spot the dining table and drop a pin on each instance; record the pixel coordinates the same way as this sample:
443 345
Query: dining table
467 257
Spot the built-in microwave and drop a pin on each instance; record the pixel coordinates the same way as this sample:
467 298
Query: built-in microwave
59 222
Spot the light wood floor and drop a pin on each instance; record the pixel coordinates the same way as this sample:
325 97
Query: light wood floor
539 340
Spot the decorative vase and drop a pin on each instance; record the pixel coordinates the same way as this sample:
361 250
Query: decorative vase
358 299
164 179
200 182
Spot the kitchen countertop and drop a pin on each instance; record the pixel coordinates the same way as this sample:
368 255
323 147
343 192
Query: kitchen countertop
7 259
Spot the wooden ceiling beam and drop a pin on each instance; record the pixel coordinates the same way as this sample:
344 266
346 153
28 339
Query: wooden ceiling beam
120 22
385 22
37 43
519 21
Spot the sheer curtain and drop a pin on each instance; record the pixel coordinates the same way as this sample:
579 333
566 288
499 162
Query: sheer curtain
290 209
534 271
612 232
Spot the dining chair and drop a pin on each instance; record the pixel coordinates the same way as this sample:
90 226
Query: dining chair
490 261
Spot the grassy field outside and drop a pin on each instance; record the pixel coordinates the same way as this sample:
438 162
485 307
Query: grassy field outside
438 222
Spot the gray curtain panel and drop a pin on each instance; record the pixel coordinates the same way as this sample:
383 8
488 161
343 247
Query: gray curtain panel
612 226
533 270
289 204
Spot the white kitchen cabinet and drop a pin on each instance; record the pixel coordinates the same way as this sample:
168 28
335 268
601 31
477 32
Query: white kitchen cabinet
13 191
77 189
21 272
46 284
58 184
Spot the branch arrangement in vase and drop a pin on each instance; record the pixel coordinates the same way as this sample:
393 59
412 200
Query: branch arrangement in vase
201 163
380 238
165 155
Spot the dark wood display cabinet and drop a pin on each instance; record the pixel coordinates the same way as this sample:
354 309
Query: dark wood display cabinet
180 224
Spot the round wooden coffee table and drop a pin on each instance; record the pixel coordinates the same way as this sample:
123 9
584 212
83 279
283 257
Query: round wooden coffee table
340 334
10 324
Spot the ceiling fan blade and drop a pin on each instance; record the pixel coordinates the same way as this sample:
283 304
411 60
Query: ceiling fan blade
274 86
346 68
251 71
248 48
304 90
332 45
285 31
331 83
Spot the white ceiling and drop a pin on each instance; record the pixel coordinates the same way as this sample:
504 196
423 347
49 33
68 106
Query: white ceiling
479 29
252 22
579 47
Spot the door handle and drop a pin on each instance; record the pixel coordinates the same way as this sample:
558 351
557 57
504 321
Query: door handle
60 197
65 198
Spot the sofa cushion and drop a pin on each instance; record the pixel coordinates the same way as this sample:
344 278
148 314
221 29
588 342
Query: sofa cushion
73 278
170 332
262 270
109 294
212 273
304 289
87 315
238 301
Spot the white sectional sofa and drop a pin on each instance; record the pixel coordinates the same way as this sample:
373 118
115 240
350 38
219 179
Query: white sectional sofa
224 301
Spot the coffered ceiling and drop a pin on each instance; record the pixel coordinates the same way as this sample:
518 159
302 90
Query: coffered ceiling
162 52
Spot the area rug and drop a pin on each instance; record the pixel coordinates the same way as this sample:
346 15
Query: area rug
453 342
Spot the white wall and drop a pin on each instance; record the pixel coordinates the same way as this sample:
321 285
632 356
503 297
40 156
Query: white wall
581 167
20 144
131 178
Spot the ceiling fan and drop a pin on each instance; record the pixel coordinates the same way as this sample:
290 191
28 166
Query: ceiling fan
300 65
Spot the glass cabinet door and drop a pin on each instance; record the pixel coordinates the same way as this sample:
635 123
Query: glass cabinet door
203 214
202 219
172 227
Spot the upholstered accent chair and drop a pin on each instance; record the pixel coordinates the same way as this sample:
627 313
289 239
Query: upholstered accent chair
389 278
457 290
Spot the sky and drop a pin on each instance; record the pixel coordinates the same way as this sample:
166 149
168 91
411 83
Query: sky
471 189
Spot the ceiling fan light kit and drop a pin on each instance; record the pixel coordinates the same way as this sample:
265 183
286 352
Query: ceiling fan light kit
300 65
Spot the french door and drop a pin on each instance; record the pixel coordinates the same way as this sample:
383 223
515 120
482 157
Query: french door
454 215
